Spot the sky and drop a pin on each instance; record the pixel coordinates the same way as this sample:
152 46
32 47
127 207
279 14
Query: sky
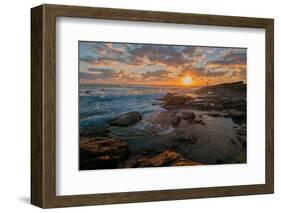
158 64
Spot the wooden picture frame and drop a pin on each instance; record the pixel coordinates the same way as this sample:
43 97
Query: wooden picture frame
43 105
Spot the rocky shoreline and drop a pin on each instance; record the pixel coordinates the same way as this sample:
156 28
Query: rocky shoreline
204 128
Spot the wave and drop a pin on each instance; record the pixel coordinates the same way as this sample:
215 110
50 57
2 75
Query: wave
99 103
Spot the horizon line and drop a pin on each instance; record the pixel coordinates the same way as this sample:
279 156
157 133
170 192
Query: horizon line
167 85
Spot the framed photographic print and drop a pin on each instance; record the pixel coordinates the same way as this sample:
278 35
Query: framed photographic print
136 106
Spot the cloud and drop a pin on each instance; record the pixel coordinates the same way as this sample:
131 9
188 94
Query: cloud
104 75
162 54
160 75
232 63
120 62
212 74
143 54
98 73
92 69
104 53
231 58
202 72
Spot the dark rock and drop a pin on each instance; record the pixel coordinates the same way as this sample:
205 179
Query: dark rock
188 116
201 122
172 101
219 161
242 131
126 119
167 96
235 103
242 137
102 153
185 139
242 141
95 131
237 116
235 88
167 158
175 121
214 114
165 119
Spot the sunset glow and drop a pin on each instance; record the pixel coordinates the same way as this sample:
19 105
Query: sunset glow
158 64
187 81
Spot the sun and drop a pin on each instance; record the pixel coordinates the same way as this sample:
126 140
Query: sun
187 80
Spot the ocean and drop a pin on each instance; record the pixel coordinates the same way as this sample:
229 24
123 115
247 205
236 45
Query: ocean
99 103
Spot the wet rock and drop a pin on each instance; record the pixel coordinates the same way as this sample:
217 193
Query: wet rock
175 121
214 114
188 116
165 119
241 131
95 131
241 135
126 119
167 158
221 97
102 153
235 103
237 116
235 88
172 101
167 96
201 122
242 141
186 139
